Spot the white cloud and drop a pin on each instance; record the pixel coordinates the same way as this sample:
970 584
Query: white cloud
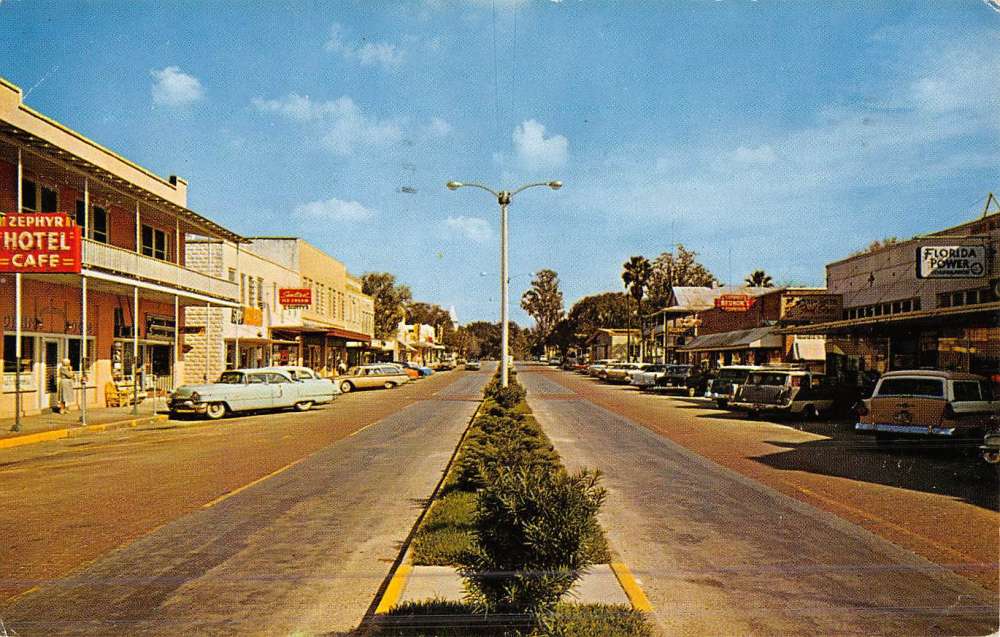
342 125
173 87
763 154
534 150
438 127
472 228
333 209
384 54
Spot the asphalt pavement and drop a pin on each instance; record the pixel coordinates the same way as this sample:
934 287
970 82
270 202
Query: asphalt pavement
301 548
722 554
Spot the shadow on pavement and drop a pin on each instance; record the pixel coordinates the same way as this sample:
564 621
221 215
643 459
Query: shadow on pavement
917 466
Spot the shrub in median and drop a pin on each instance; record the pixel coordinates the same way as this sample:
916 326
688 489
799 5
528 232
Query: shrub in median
535 530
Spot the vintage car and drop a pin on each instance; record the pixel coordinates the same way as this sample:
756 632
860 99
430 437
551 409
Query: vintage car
674 378
320 390
242 390
646 379
598 368
794 391
384 376
413 372
727 381
621 373
473 365
929 403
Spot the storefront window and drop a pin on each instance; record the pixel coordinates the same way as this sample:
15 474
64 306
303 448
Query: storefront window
99 231
10 351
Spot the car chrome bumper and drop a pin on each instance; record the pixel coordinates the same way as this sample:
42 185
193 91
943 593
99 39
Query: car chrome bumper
187 407
904 429
760 406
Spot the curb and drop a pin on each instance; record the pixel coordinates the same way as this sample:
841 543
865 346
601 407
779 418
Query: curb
58 434
633 591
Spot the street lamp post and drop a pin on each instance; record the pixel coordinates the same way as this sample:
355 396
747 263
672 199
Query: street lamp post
504 198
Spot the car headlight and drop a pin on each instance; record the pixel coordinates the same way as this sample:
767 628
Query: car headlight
195 396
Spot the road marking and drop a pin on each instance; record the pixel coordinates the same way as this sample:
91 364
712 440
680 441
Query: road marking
17 441
631 587
13 599
357 431
395 589
226 496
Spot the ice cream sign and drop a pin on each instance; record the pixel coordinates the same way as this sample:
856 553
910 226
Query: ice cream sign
37 242
951 262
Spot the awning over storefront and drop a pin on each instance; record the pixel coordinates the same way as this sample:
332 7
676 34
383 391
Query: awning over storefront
337 332
756 338
939 315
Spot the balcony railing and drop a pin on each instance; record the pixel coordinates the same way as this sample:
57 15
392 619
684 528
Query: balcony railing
127 263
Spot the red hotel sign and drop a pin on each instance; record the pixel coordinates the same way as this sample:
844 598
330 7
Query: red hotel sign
734 302
295 297
39 242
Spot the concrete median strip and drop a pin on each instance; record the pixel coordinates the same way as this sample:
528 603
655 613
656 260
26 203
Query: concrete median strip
71 432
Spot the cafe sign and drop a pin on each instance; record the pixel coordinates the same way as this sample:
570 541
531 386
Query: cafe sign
951 262
734 302
292 298
39 242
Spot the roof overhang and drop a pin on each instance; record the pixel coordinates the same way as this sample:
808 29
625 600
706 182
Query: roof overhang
846 326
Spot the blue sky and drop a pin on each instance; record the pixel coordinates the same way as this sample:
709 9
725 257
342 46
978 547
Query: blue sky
761 134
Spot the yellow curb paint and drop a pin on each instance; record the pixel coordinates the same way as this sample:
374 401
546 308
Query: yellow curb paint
395 589
632 589
226 496
57 434
22 594
30 439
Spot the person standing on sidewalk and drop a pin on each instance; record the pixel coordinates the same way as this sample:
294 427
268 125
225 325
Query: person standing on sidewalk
66 378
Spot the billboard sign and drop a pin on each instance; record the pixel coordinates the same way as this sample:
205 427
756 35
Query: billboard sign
291 298
812 307
951 262
734 302
39 242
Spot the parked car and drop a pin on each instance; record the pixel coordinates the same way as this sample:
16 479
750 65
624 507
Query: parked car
794 391
645 379
727 382
412 372
555 361
472 365
929 403
621 373
598 367
242 390
675 377
371 376
321 390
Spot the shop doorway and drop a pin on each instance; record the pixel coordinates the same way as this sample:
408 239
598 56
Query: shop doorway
50 373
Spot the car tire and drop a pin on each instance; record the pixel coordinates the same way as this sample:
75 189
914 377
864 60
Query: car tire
809 412
346 387
753 414
305 405
722 403
214 411
389 384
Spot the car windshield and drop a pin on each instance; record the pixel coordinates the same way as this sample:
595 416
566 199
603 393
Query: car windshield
917 387
231 378
766 378
737 375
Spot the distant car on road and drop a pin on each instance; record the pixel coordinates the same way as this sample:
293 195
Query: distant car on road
646 379
723 387
929 403
676 377
621 373
555 361
373 376
243 390
321 390
472 365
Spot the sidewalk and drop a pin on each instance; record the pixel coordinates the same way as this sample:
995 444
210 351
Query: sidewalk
53 426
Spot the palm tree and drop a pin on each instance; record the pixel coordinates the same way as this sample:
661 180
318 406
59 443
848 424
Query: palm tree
636 273
759 279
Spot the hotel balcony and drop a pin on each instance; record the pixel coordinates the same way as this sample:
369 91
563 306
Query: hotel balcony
111 263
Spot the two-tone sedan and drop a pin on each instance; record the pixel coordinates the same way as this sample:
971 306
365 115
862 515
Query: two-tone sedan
320 390
242 390
384 376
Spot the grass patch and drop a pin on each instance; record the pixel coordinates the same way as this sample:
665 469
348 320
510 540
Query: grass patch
446 533
443 618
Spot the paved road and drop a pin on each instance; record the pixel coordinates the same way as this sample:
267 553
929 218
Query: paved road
312 513
720 553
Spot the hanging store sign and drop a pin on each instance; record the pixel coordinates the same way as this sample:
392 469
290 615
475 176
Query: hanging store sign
291 298
951 262
812 307
734 302
39 242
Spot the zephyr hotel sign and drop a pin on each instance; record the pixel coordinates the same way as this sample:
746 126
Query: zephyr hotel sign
39 242
951 262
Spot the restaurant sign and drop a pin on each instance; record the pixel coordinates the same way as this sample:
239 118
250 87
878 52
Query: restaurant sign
291 298
39 242
951 262
812 307
734 302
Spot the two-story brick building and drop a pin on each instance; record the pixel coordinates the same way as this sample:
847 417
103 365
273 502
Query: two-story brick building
125 310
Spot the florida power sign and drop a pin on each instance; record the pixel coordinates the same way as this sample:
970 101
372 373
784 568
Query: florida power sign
951 262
